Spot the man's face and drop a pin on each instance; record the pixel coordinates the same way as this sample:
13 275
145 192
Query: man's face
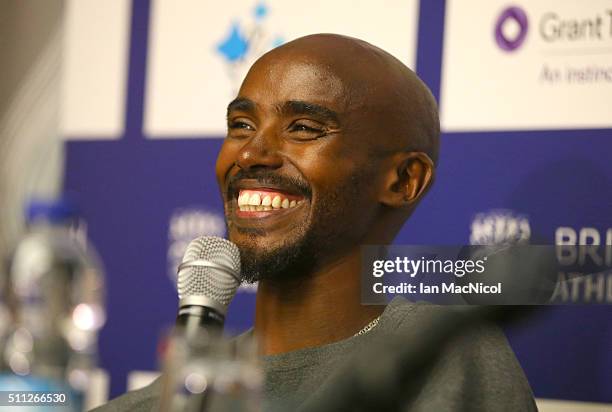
297 182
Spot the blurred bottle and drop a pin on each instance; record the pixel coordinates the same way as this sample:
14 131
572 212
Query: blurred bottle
56 297
209 372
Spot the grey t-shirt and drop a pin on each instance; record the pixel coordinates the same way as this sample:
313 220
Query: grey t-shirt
476 371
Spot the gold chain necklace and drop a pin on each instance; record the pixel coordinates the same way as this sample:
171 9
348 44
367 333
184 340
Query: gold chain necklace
368 327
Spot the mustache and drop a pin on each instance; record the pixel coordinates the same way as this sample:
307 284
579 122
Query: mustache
268 177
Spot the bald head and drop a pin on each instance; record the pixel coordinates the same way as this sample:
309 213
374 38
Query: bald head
333 131
368 79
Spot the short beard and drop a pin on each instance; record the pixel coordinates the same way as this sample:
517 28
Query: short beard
299 257
289 261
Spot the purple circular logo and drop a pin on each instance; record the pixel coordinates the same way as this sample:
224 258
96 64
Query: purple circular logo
511 13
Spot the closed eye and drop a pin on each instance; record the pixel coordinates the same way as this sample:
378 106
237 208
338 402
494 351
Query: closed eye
300 127
240 125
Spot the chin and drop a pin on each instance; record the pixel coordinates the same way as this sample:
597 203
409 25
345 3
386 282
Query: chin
266 259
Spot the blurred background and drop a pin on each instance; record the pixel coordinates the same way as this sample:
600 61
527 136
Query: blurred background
121 105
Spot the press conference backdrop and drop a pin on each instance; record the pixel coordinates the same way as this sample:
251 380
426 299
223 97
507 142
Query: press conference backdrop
525 97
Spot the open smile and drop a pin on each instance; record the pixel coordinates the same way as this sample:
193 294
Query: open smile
262 203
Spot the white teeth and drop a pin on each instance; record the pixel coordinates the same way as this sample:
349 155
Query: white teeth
243 199
251 202
276 202
255 199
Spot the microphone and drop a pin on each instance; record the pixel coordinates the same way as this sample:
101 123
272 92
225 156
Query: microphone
208 278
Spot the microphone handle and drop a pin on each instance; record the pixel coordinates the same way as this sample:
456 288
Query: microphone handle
197 323
195 318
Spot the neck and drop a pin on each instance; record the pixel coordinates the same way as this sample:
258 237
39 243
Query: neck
315 310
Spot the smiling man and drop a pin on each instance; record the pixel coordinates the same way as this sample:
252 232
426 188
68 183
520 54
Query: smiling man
331 144
322 156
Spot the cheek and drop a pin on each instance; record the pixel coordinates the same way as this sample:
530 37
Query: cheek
339 171
343 212
344 196
225 160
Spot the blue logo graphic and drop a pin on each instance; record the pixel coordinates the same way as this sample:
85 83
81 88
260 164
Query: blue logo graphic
247 43
235 46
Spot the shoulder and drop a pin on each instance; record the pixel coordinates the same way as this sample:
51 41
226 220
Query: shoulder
472 365
141 400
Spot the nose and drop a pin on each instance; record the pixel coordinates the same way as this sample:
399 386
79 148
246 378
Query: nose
261 151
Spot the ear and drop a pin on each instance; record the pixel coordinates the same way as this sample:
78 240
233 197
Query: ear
409 176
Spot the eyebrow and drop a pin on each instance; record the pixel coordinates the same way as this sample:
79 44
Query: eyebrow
294 107
311 109
242 104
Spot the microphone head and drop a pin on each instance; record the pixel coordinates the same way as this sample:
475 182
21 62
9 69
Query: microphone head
209 274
